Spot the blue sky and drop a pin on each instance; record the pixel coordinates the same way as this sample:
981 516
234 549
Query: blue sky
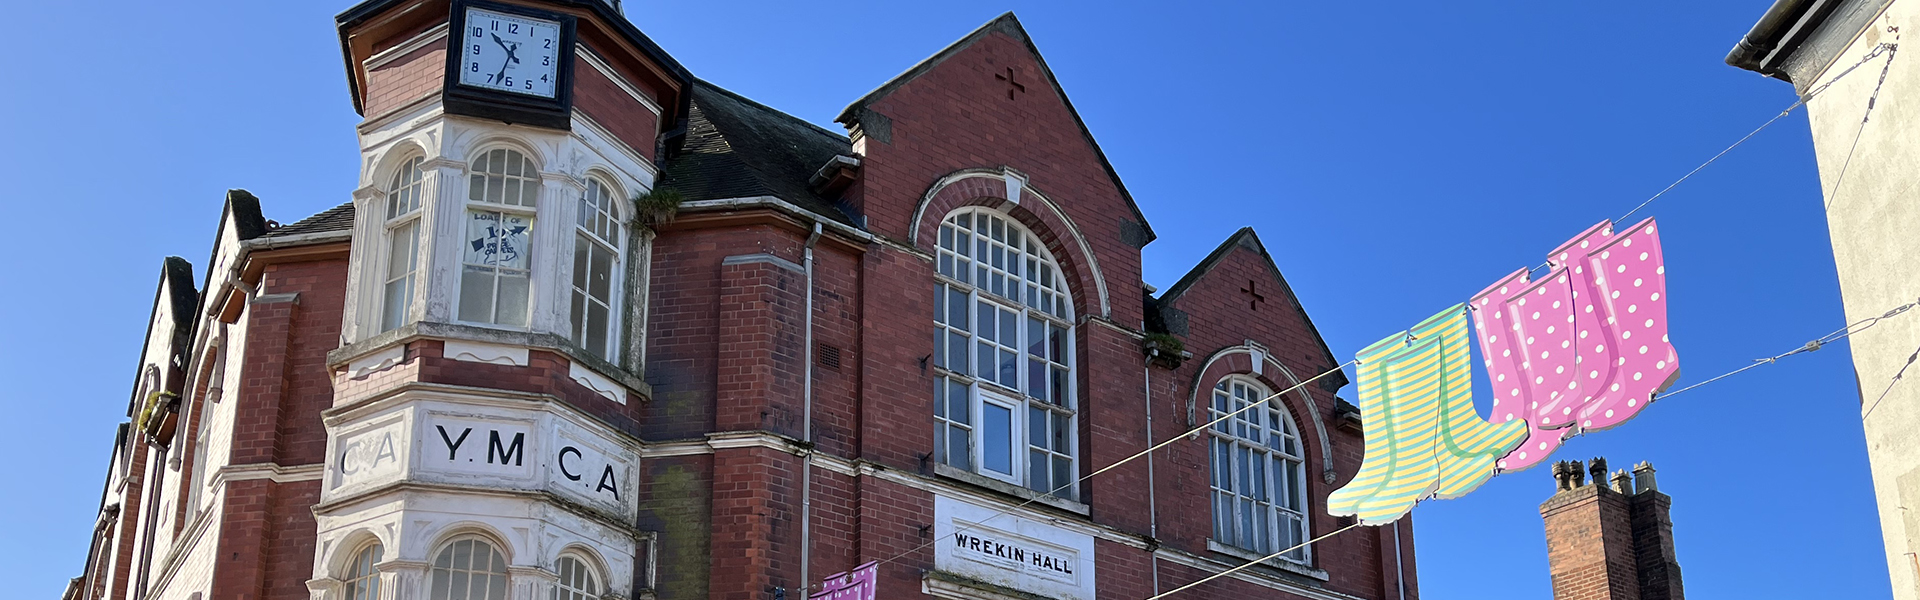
1395 157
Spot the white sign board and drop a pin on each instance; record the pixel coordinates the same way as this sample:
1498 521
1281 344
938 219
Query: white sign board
496 448
1012 551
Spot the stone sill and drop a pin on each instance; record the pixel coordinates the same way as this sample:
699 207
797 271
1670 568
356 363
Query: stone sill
1009 489
1276 562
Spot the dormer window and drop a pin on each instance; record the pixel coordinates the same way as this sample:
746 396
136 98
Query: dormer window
495 278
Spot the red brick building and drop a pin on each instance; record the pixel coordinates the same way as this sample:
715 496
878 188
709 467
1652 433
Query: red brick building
1612 539
593 327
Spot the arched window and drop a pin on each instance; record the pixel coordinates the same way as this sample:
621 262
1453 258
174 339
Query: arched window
577 580
469 568
1003 401
495 279
596 270
403 243
363 581
1259 473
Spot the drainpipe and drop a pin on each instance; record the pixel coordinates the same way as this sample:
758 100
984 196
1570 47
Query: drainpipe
1399 570
806 426
1153 506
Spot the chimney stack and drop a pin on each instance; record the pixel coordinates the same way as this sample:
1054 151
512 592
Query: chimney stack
1613 539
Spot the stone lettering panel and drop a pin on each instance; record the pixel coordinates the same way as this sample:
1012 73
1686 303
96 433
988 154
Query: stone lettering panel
1013 551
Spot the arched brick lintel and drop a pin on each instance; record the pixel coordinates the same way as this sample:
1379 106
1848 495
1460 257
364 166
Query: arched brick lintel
988 187
1238 360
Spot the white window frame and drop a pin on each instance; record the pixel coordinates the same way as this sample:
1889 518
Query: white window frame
404 203
1033 293
356 573
595 223
434 568
479 183
588 570
1253 493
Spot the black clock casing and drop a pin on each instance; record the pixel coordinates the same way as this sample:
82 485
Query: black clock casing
510 107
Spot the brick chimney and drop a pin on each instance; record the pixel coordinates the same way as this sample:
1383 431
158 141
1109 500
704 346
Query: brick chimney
1611 539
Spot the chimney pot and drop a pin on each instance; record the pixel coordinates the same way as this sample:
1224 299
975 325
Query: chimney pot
1643 478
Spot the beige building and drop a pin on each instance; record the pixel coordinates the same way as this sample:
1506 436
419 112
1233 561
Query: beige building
1845 60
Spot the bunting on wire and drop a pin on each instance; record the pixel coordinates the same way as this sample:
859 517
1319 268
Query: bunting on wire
1423 437
1585 347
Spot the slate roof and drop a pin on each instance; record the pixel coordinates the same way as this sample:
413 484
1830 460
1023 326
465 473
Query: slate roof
738 148
338 218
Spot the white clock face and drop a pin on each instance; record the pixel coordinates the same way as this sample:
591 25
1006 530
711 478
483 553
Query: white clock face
510 53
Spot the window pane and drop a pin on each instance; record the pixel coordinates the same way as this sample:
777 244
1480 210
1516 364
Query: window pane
957 352
581 247
957 309
940 397
476 294
597 325
1037 379
959 403
394 310
1037 426
1009 329
1009 369
1037 471
1061 427
959 449
402 245
1063 474
514 288
996 438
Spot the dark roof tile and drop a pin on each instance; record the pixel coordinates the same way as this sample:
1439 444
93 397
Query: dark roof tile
338 218
738 148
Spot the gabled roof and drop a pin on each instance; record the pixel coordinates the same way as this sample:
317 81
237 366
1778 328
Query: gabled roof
1009 25
738 148
1246 238
176 290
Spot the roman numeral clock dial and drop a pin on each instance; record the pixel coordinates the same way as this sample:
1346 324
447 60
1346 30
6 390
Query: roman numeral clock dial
510 53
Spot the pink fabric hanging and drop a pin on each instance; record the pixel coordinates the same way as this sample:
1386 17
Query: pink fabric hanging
1585 347
1515 396
1630 282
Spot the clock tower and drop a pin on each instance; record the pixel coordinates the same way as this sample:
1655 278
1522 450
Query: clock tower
486 391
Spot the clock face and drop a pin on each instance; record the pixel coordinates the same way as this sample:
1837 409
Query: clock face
510 53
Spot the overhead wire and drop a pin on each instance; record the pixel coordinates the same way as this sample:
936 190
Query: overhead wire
1810 346
1888 48
1149 450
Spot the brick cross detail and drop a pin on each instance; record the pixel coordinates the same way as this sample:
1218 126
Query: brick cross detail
1253 304
1012 85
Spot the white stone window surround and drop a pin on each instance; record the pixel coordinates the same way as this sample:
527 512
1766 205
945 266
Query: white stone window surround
414 527
498 244
1258 498
1001 272
361 580
579 577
